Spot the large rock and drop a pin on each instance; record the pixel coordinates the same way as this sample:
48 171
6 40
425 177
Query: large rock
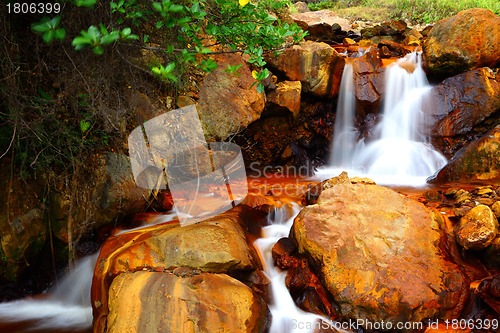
368 81
477 229
228 102
321 24
144 302
479 161
109 195
362 238
219 244
464 100
22 240
462 42
287 95
317 65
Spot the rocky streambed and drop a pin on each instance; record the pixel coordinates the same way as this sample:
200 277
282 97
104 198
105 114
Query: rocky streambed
356 251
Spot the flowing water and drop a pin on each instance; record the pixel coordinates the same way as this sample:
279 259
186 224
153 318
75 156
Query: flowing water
65 308
286 316
399 152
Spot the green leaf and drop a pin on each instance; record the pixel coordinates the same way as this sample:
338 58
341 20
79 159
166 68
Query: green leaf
260 88
78 41
176 8
93 33
157 70
84 125
98 50
195 8
132 36
48 36
104 31
85 3
54 22
170 67
146 38
60 34
126 31
108 39
40 27
157 6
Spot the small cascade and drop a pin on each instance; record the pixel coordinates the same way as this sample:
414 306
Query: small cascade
65 308
399 152
345 135
286 316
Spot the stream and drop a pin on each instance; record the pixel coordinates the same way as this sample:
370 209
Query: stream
397 154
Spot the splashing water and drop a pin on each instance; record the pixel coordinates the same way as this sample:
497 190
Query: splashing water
399 152
286 316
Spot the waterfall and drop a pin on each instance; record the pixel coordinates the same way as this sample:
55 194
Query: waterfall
286 316
399 152
345 135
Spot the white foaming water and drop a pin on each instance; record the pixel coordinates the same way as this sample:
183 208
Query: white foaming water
67 306
286 316
399 153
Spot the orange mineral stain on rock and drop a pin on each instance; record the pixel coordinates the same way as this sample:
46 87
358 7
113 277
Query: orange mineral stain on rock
364 240
163 302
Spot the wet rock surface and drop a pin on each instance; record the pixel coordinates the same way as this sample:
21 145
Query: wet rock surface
489 291
477 229
464 101
322 24
287 95
479 161
218 245
360 238
170 302
462 42
228 103
317 65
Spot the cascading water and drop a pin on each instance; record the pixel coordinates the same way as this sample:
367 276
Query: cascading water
345 135
66 308
399 153
286 316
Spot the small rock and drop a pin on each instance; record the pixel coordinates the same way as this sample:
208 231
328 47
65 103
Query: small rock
185 271
411 41
462 197
301 7
370 32
496 209
477 229
282 251
461 211
425 31
183 101
433 196
484 190
287 153
489 291
450 193
485 201
384 52
394 47
393 27
349 41
360 180
365 43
